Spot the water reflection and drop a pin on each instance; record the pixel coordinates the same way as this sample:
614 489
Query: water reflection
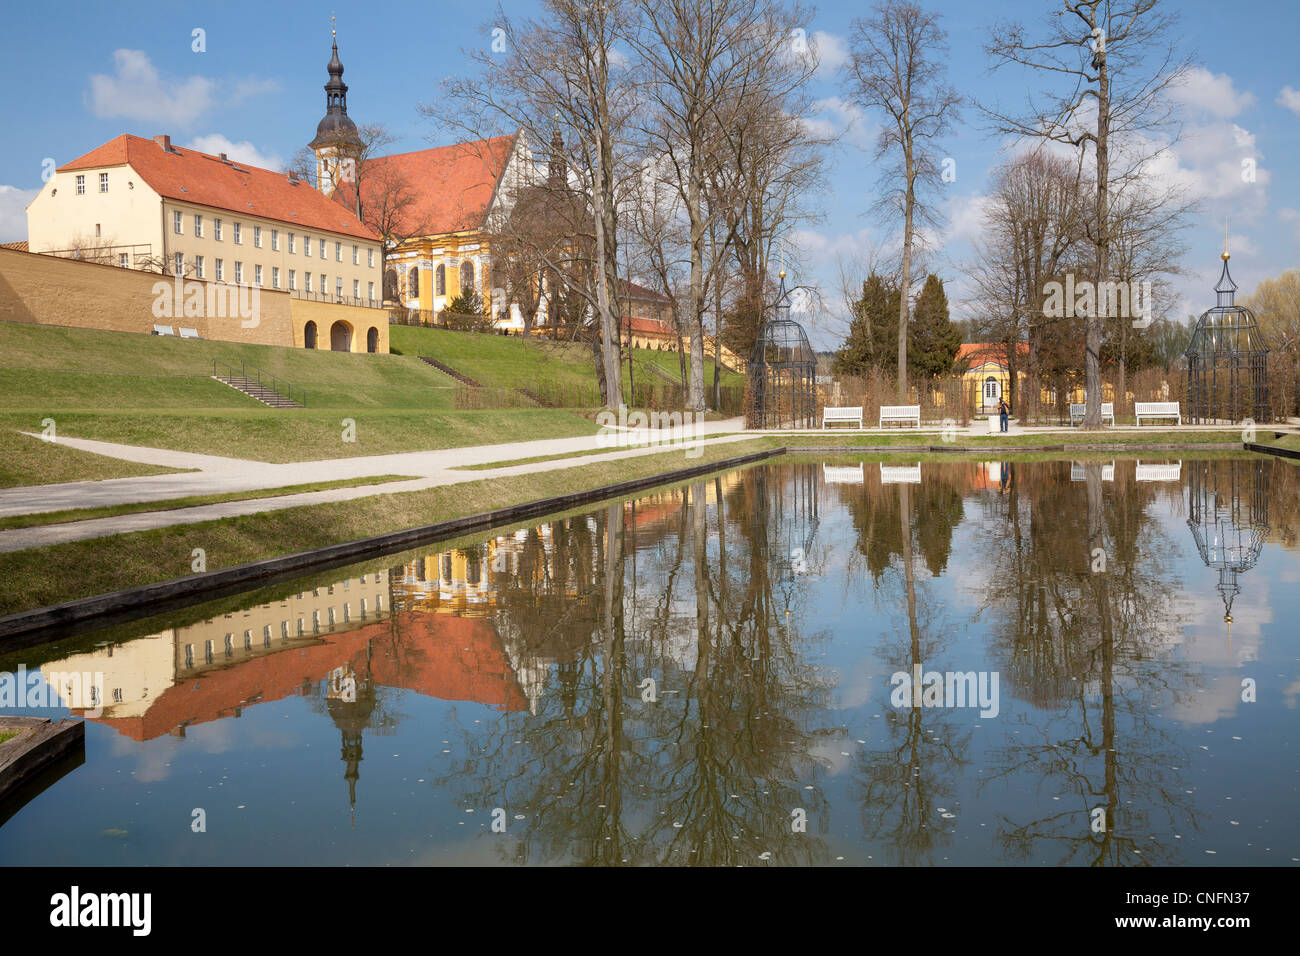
702 675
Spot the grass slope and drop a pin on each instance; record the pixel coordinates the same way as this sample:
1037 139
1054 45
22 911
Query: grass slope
158 392
32 461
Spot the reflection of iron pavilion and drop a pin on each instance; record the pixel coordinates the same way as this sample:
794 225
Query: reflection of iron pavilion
1227 376
1228 513
782 372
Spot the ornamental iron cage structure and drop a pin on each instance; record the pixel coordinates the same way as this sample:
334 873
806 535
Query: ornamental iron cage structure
1227 508
782 372
1227 373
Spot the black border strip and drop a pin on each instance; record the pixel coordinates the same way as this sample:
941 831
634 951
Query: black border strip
40 625
1272 450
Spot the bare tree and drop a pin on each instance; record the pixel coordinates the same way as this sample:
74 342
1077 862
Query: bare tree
896 66
1118 59
562 70
709 67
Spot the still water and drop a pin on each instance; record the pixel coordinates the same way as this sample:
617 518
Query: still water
1104 655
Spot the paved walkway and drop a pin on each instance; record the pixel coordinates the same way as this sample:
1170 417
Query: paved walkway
430 469
217 475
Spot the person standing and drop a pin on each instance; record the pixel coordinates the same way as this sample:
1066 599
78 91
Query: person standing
1003 411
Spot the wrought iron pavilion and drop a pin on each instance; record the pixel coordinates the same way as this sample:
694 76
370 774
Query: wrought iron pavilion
1227 377
782 372
1227 510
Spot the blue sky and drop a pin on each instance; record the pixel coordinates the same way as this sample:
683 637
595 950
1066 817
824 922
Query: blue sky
76 75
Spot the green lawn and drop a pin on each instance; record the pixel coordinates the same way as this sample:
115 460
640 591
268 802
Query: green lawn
667 362
167 504
501 361
283 435
34 461
158 392
7 735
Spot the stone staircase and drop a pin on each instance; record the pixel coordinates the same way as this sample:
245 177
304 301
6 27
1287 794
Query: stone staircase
254 389
466 380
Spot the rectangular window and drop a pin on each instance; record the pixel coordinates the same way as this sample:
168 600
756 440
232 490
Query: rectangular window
239 272
275 240
275 277
370 291
306 245
216 229
292 277
324 286
122 259
356 253
198 267
291 242
103 182
238 239
81 185
306 280
98 234
338 252
257 275
220 272
356 288
178 226
370 258
257 237
338 286
180 264
198 227
322 248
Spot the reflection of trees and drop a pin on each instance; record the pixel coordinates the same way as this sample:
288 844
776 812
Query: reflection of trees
710 773
1090 651
900 785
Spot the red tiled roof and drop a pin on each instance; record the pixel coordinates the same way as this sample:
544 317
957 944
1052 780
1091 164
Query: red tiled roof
452 186
20 246
640 292
980 352
648 326
188 175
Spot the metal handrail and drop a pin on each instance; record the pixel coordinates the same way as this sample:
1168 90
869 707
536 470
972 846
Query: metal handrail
276 384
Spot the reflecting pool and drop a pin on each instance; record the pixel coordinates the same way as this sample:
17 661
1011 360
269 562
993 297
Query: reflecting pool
834 662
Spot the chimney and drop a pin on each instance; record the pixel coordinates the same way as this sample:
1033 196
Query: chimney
164 141
293 177
225 158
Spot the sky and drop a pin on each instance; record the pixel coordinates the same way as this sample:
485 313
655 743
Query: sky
75 75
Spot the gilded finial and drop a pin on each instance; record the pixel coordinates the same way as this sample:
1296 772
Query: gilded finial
1226 255
333 31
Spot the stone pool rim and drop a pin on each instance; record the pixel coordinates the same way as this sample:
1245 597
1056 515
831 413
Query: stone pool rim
39 625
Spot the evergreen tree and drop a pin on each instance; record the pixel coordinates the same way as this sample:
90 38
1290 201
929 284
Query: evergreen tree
933 340
870 339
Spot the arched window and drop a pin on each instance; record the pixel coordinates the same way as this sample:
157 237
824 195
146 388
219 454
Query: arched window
413 283
309 335
440 280
390 284
341 337
466 277
372 339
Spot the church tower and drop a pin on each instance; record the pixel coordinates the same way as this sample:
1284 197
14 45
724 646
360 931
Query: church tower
337 144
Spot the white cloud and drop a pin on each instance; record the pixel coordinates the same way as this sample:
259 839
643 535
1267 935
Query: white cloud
241 152
832 53
13 212
138 91
1213 93
834 115
1289 97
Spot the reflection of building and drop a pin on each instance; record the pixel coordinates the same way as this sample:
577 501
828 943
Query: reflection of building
1227 511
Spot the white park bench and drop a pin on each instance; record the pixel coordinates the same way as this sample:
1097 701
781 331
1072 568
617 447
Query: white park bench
1078 411
163 330
1160 472
1143 410
842 474
190 334
1078 472
837 414
900 474
900 414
